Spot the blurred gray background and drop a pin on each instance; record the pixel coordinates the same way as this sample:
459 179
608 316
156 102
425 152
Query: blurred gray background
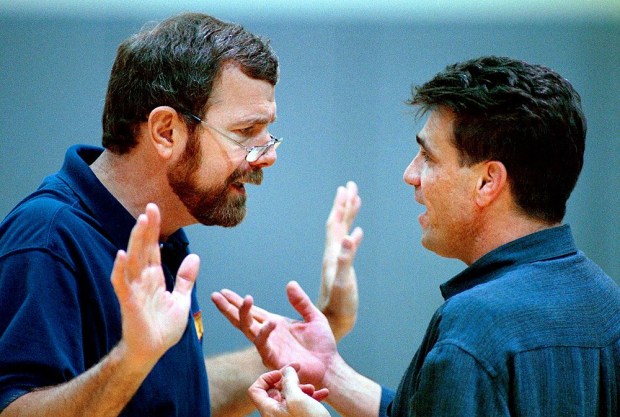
346 70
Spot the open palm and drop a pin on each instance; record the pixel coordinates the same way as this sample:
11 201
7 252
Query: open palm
280 340
153 319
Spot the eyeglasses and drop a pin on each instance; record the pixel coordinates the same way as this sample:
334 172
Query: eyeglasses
253 153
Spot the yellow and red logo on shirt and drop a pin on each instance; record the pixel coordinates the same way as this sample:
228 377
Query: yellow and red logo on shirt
198 324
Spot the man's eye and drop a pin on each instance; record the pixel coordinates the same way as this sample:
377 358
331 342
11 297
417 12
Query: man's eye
424 155
246 132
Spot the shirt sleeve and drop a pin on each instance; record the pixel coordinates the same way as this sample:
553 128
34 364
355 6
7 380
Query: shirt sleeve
387 396
452 382
40 335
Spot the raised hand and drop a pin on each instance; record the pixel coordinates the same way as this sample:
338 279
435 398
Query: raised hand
279 340
279 394
338 296
153 319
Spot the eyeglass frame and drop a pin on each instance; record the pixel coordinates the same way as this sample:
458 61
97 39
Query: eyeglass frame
255 152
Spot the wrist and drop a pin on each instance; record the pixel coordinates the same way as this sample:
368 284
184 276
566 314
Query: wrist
336 373
133 361
351 393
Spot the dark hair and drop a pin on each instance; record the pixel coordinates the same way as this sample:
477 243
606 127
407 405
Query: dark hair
526 116
175 64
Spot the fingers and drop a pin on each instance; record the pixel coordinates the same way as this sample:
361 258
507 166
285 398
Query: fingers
228 310
136 251
186 276
340 200
232 302
349 247
240 312
119 283
268 384
269 379
340 248
151 234
263 334
352 204
246 321
278 393
338 298
346 205
235 299
318 395
291 387
261 392
290 382
232 297
301 302
143 245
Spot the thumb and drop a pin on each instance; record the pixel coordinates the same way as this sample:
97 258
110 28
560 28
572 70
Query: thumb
301 302
186 277
349 246
290 383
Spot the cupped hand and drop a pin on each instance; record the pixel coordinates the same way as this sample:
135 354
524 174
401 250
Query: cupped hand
280 394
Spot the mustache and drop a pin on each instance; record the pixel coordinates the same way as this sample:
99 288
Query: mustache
249 177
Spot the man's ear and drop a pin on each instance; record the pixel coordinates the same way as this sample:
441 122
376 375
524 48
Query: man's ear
491 183
164 127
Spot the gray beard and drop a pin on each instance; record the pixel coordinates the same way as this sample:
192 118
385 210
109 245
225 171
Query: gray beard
212 206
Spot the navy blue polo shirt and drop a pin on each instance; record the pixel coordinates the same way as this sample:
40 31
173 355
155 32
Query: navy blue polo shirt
59 314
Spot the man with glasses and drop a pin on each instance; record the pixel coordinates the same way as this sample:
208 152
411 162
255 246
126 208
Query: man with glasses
185 127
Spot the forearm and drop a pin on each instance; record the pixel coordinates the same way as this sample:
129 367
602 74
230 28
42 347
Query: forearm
102 391
230 376
350 393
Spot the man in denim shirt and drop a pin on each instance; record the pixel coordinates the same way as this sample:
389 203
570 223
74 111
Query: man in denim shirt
532 326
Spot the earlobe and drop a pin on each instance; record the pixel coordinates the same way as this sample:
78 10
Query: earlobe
491 182
162 124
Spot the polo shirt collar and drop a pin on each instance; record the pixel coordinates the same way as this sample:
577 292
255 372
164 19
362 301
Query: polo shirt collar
542 245
115 220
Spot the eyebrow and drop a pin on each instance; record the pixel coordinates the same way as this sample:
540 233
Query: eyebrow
424 145
422 142
256 119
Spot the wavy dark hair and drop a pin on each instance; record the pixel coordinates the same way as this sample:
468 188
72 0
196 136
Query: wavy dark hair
175 64
526 116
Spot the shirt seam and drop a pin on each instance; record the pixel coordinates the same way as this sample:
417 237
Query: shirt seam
486 367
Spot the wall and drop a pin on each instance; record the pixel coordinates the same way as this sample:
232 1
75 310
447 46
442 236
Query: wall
341 110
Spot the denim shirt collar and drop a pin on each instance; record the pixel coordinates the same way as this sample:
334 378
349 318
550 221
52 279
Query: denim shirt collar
542 245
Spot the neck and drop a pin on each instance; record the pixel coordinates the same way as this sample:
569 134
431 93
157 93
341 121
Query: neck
502 231
135 181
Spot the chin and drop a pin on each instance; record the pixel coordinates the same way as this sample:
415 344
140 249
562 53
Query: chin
232 222
223 221
426 245
224 211
431 243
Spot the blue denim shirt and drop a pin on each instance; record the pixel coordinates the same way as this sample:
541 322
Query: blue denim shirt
530 329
